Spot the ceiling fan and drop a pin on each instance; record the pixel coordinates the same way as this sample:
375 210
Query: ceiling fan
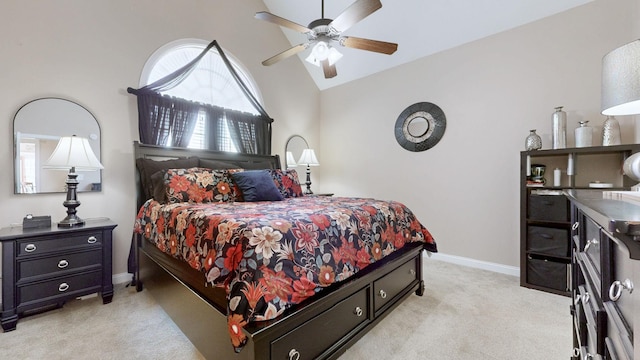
322 33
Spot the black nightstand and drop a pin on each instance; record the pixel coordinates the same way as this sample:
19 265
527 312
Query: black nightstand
45 267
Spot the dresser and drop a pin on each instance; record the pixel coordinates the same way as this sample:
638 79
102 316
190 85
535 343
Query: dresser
605 268
44 267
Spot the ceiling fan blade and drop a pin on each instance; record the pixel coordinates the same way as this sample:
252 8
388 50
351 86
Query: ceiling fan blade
285 54
267 16
369 45
329 70
354 13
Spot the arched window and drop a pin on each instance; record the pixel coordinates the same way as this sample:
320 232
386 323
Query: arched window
209 83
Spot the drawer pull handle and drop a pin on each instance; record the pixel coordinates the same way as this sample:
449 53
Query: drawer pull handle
294 354
358 311
63 264
593 241
92 240
585 298
383 294
615 290
30 248
576 352
546 236
63 287
575 225
412 272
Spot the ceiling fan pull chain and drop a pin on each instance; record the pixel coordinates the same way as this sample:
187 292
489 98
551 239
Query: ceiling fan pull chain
322 12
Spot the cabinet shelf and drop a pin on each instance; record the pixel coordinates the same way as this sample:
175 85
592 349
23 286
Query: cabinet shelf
547 217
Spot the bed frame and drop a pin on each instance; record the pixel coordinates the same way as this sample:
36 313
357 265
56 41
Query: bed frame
322 327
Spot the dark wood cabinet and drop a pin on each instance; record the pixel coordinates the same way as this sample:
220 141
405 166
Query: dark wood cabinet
44 267
546 219
605 267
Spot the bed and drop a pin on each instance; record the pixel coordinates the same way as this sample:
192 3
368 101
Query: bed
297 277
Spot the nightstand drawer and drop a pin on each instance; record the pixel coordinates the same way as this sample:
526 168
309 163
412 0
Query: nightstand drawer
75 285
58 263
51 243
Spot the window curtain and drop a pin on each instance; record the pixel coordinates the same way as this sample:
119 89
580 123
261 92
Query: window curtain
159 116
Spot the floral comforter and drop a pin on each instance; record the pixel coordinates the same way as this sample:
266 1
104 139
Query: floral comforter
270 255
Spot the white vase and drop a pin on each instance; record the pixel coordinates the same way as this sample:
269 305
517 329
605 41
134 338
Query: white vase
611 132
584 135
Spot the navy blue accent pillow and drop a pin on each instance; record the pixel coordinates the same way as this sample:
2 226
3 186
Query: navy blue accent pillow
257 185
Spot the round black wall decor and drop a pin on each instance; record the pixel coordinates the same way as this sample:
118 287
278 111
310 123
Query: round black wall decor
420 126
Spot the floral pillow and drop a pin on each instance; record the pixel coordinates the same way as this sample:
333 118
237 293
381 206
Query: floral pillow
287 182
196 185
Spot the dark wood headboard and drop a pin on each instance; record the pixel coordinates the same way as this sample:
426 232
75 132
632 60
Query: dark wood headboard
155 152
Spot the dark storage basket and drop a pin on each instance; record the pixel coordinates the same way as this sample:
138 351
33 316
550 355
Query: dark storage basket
548 208
547 273
550 241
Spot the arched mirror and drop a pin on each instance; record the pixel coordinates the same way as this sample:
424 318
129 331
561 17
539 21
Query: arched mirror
37 127
293 150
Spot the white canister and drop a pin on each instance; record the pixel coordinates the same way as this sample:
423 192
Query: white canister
557 177
584 135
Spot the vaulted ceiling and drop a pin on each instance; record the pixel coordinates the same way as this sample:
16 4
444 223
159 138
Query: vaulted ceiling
420 27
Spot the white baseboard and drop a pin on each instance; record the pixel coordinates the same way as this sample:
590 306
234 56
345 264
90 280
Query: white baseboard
478 264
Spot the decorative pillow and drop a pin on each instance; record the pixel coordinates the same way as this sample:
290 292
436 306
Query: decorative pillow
257 185
148 167
196 185
287 182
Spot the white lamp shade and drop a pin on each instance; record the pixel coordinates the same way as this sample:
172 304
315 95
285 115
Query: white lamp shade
73 151
291 162
308 158
322 51
621 80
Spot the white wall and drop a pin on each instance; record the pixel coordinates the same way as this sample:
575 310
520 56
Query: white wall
465 189
91 51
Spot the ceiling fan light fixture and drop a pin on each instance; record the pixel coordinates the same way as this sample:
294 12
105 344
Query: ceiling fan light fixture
322 51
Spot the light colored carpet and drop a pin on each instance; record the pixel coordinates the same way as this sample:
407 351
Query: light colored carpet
465 314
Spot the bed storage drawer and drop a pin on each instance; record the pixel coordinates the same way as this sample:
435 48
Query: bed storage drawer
316 336
392 284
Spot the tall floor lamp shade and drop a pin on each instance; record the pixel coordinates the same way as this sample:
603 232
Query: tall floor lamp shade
73 153
308 158
621 80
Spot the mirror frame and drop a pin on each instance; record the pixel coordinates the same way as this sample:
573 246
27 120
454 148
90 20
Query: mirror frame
286 148
82 114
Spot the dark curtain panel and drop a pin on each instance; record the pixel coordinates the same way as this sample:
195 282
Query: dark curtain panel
159 116
248 131
184 116
214 127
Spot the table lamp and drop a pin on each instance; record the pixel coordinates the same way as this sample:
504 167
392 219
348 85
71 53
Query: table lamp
72 153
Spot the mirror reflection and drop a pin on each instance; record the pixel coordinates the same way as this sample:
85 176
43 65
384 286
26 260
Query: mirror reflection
37 127
293 150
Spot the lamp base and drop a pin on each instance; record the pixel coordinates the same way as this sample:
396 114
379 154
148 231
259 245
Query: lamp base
72 202
71 221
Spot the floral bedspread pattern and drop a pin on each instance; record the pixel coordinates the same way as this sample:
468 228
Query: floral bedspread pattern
270 255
